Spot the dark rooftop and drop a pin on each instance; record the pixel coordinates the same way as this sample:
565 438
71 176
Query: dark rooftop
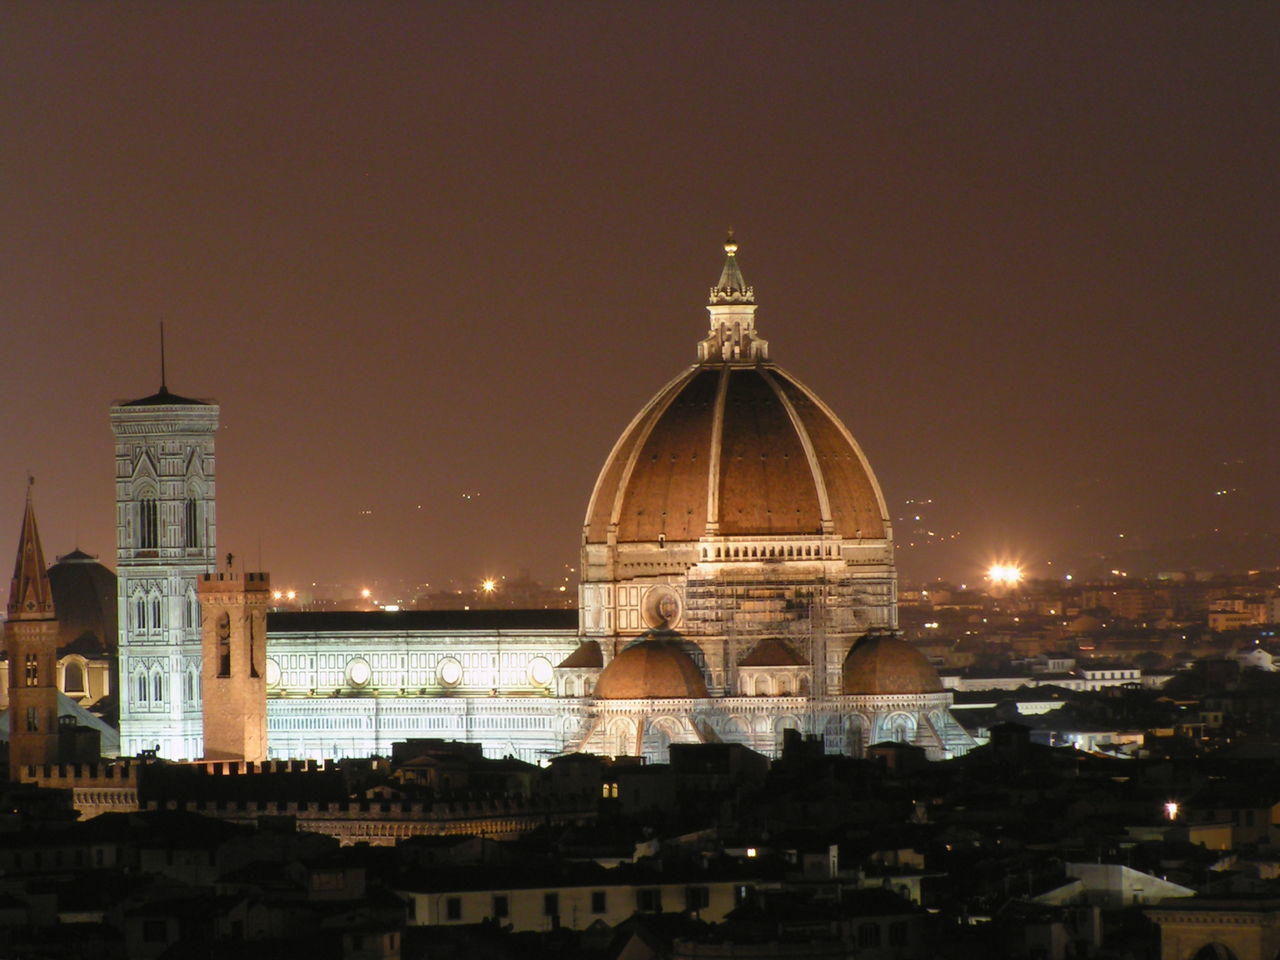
163 398
406 620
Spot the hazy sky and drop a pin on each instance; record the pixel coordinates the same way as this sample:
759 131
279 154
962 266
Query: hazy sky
1028 253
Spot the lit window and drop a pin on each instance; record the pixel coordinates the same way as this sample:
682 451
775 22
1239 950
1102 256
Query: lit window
32 670
73 678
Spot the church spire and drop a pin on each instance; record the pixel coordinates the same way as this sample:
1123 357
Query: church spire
30 596
732 337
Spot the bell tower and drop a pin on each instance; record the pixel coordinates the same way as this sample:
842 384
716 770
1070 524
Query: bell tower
165 541
234 611
31 641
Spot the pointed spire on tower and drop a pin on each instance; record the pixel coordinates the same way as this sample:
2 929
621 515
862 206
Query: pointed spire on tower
731 288
30 596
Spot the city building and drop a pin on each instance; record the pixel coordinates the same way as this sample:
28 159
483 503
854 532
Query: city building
165 540
737 581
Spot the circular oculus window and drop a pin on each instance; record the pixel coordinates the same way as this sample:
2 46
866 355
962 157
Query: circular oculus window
273 672
540 671
450 672
661 608
358 673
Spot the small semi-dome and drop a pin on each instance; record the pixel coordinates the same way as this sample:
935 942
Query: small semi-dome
652 670
586 656
773 652
882 665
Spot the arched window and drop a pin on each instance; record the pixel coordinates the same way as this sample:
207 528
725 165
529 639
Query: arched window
156 622
157 687
142 688
224 645
140 612
191 522
190 611
73 677
148 523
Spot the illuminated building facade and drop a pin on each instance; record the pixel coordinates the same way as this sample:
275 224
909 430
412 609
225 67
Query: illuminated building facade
165 540
737 581
350 684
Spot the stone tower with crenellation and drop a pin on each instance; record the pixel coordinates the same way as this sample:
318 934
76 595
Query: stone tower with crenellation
165 541
234 611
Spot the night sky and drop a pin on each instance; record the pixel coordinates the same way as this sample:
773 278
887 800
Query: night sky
1027 252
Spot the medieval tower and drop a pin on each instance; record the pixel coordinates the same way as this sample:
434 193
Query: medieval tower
31 641
234 611
165 540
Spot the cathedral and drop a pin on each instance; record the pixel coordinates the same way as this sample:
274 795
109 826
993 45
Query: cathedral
738 581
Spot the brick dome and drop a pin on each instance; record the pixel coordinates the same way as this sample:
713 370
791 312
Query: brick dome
748 450
880 665
651 669
84 596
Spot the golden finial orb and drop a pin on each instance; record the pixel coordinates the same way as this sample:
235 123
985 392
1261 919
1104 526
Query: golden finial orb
730 245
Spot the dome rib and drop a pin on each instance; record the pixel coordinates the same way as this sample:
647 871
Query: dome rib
713 457
847 484
665 486
732 449
616 475
766 486
815 470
